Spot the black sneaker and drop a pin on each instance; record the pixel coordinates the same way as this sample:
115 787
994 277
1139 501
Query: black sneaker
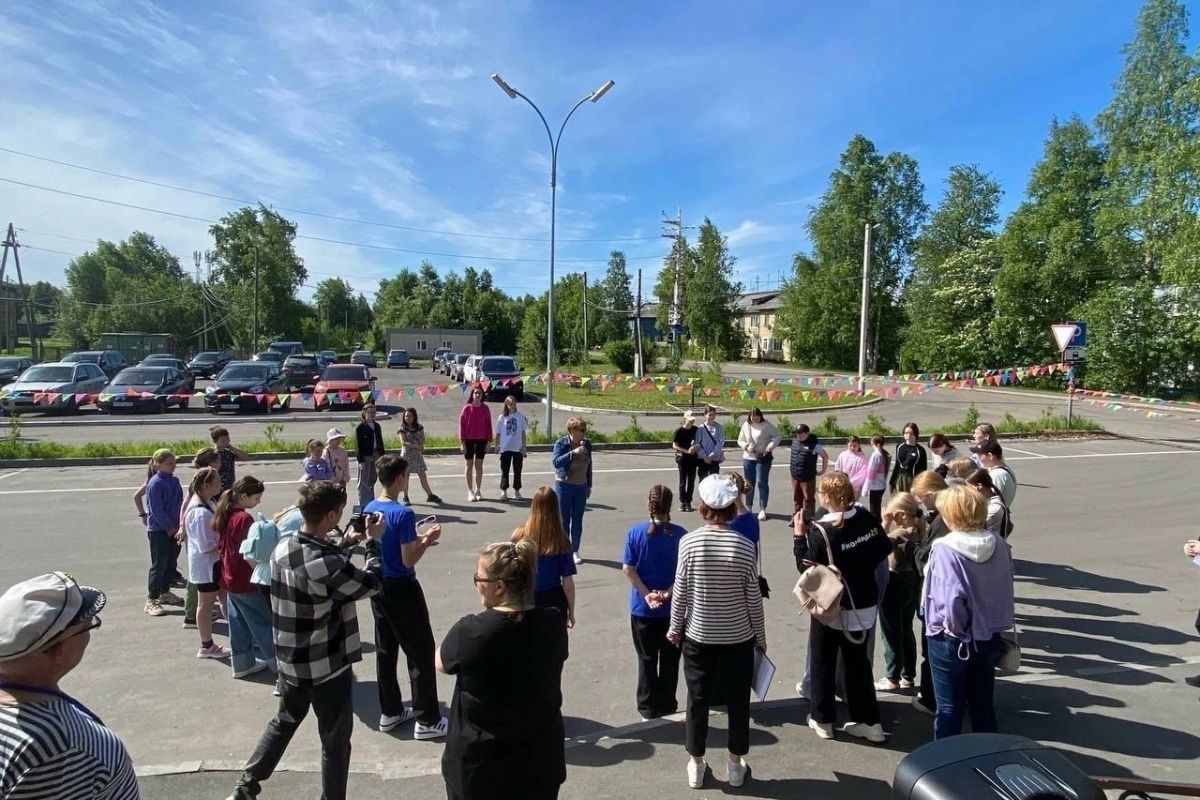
433 498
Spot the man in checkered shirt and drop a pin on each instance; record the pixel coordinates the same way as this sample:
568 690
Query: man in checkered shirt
314 587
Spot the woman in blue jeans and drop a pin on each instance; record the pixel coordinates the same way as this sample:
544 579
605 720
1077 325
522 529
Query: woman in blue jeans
572 459
758 440
249 604
967 602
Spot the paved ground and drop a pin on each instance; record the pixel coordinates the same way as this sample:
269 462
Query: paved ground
1106 601
440 415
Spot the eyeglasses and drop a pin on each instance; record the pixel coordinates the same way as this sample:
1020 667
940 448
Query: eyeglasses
94 623
478 580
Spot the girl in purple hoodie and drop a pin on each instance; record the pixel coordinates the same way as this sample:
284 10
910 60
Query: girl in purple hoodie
967 601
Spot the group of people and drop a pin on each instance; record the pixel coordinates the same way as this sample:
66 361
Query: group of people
288 587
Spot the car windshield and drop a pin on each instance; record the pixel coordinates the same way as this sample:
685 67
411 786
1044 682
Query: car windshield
329 354
461 359
398 352
48 375
490 365
270 355
344 373
10 363
75 358
206 358
300 361
245 372
139 377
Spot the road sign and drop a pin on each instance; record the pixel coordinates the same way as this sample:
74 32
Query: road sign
1070 334
1072 355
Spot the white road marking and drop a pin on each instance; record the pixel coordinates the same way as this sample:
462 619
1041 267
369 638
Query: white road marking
9 475
453 475
1025 452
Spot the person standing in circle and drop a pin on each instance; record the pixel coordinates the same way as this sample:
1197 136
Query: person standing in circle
474 431
910 460
878 465
905 527
554 585
412 439
758 440
649 560
164 502
572 460
808 460
368 442
506 731
249 609
717 620
710 435
204 557
511 426
683 444
852 463
337 457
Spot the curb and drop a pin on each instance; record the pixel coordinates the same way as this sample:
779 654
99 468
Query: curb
35 463
630 412
166 419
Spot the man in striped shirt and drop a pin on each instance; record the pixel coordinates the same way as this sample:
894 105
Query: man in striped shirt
51 746
717 620
314 587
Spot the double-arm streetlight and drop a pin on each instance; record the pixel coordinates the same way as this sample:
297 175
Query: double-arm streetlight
554 140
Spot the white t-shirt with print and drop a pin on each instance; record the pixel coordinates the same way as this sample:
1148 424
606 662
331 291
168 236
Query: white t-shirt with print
510 429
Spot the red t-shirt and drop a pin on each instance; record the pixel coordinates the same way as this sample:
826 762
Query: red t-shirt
235 572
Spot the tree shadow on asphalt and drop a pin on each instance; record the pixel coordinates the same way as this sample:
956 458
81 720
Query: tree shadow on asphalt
1077 607
604 562
1064 576
1119 630
1086 658
845 787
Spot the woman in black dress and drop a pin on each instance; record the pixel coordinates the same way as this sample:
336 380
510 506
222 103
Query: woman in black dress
911 460
506 726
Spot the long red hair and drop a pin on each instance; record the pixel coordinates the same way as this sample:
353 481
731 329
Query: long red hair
544 526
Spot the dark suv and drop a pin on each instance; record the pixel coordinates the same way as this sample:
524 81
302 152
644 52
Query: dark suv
110 362
302 370
208 363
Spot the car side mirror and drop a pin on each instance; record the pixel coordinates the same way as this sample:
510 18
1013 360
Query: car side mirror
372 379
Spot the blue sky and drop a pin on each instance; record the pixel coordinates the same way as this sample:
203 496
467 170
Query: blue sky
384 111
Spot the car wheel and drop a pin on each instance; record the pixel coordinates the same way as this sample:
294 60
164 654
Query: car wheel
185 403
519 395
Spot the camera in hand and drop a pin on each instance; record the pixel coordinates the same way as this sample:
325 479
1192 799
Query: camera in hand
358 522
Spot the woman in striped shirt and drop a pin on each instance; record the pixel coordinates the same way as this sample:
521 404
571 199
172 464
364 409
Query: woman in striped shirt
717 620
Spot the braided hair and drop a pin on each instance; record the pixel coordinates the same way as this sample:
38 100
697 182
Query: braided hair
659 506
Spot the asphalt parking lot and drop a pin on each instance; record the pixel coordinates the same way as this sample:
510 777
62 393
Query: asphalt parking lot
1106 603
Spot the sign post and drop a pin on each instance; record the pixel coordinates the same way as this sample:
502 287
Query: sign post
1071 338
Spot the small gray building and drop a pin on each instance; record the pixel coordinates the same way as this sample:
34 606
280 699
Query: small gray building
421 342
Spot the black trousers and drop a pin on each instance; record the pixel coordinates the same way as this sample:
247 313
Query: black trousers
658 666
925 685
687 478
718 669
827 643
158 579
704 469
333 705
508 458
511 793
402 623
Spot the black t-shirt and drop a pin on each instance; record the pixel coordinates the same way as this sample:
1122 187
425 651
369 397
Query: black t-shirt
684 438
506 728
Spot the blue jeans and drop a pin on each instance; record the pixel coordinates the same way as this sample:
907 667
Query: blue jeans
250 625
757 474
572 497
964 681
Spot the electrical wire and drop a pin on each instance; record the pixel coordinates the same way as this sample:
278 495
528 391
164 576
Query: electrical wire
317 214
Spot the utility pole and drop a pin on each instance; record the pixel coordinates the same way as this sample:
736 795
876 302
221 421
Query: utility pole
638 366
586 358
866 299
196 259
254 344
11 244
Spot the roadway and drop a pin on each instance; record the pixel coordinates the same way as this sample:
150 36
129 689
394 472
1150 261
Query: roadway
1106 603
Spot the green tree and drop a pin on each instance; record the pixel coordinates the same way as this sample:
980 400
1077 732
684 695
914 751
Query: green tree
614 292
1050 249
821 301
258 241
334 298
711 293
941 324
681 259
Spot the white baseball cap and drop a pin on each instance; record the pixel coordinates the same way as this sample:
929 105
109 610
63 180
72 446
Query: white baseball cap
334 433
717 491
35 611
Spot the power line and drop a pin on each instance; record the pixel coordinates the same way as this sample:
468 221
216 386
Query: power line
343 242
317 214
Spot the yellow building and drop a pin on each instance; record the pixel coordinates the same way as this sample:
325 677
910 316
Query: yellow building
757 313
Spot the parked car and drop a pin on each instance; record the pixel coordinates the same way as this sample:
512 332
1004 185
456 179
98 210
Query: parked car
160 360
397 358
302 370
471 369
146 388
241 384
63 379
110 361
502 376
11 368
328 357
274 356
286 348
439 354
208 363
458 365
343 384
364 357
447 360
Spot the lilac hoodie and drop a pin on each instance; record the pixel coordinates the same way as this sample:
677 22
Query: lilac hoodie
968 591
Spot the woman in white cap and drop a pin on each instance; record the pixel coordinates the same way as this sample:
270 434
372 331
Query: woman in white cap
683 445
717 620
336 456
51 745
412 450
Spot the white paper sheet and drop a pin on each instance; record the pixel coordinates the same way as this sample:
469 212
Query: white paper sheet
764 673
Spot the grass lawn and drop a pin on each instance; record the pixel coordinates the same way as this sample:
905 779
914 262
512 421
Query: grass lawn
623 398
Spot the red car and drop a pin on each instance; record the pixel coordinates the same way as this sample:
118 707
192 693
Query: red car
343 385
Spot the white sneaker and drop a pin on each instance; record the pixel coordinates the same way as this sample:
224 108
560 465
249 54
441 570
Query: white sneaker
478 495
471 496
154 608
872 733
578 559
504 494
213 651
388 724
696 773
517 494
762 515
437 730
738 772
259 666
823 730
800 691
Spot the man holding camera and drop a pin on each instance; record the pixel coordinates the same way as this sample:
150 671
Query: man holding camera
401 613
314 587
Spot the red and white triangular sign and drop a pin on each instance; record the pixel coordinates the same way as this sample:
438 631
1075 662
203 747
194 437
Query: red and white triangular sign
1063 334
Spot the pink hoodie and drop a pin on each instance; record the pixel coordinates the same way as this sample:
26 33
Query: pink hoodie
474 422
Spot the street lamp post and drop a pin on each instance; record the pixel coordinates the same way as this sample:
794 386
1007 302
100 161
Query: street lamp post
554 140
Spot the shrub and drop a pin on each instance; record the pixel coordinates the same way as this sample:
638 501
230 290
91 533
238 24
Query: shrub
620 353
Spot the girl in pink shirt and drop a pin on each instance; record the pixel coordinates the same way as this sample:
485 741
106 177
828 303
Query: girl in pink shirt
854 464
474 433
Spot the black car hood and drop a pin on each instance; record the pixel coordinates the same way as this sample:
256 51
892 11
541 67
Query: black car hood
137 387
239 385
